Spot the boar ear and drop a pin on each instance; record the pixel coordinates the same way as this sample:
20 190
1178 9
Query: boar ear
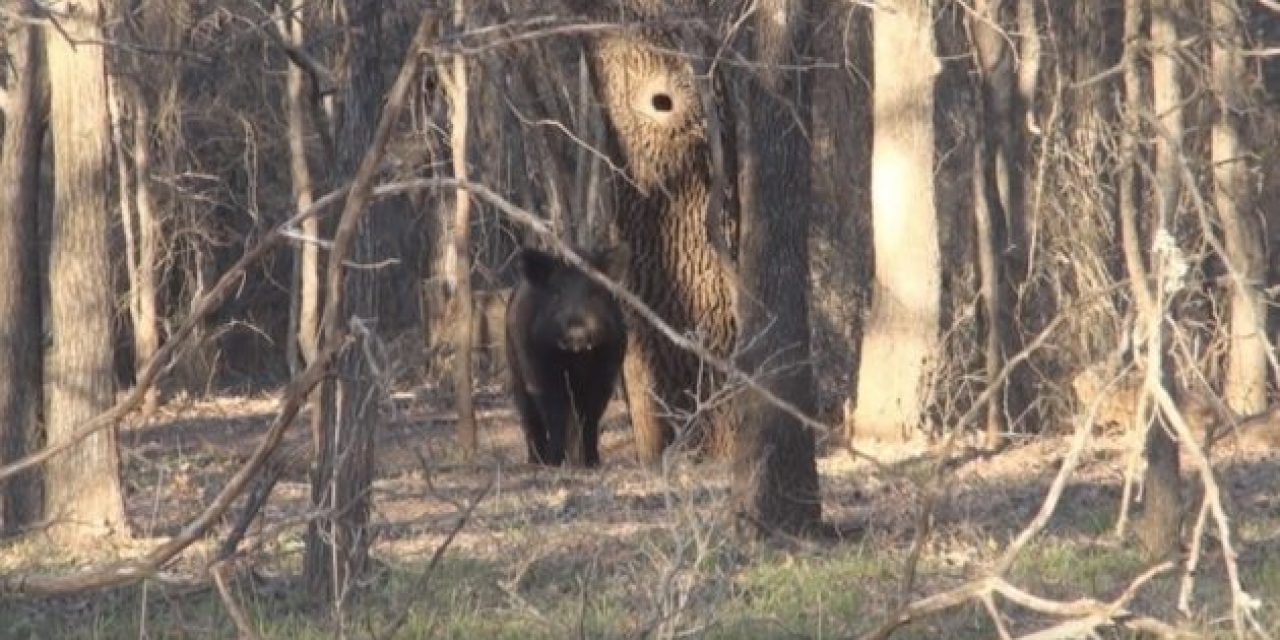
612 261
536 265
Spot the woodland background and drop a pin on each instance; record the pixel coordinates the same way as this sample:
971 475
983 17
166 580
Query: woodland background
1026 246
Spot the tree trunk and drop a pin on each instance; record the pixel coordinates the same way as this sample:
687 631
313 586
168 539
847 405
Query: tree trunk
82 491
304 330
901 346
146 320
462 302
679 258
991 203
775 478
20 313
1159 526
348 411
1245 386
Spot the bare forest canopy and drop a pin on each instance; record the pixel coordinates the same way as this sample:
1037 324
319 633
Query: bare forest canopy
862 258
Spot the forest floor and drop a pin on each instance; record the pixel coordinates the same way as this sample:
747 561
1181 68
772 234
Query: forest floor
626 552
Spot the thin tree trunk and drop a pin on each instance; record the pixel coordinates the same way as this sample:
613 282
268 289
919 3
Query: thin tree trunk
306 297
1159 525
338 544
1245 385
20 313
146 324
775 477
82 492
901 346
462 323
990 202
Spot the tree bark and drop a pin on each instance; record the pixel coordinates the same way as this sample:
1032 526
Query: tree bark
901 346
680 259
1244 387
338 544
20 313
304 331
464 339
775 478
146 320
82 490
991 203
1159 525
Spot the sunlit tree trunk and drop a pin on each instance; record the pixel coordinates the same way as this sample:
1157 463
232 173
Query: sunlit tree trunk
901 346
20 313
462 303
82 486
1244 387
146 320
1159 524
305 309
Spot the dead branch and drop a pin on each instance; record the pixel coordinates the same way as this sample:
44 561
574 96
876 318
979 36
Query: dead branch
228 600
420 583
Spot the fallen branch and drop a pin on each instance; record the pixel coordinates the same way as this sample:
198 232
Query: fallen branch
234 609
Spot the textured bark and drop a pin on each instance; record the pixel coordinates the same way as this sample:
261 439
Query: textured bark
657 134
82 486
991 203
1159 525
20 313
1244 387
901 346
337 550
840 229
464 339
775 478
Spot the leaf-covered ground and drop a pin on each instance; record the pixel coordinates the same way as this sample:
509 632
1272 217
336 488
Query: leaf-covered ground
626 552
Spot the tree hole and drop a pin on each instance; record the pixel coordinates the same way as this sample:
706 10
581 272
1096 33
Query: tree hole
662 102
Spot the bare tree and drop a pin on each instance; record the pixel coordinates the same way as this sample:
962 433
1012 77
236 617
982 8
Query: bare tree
82 486
681 256
901 347
1159 526
142 225
457 88
775 478
305 297
348 415
20 313
1244 387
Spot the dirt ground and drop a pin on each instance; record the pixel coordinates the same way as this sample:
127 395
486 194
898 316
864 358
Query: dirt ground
177 460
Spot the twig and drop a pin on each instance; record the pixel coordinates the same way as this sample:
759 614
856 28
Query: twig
423 579
228 600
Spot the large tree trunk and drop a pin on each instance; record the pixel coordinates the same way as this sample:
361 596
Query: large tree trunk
1159 526
775 479
20 313
1245 386
901 346
82 491
655 117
